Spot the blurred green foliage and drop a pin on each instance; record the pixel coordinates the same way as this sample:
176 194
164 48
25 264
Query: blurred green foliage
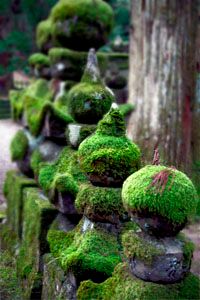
18 31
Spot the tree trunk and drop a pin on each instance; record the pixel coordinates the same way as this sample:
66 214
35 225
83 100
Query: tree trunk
162 78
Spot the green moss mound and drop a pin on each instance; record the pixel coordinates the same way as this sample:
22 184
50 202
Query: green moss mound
19 146
160 190
38 96
9 281
63 175
91 28
17 103
90 254
104 202
89 102
108 153
44 34
122 285
39 59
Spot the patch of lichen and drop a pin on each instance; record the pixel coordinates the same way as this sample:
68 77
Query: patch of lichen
38 60
14 197
19 145
9 281
123 285
44 33
89 102
92 200
136 246
17 103
37 217
93 253
63 175
87 16
175 200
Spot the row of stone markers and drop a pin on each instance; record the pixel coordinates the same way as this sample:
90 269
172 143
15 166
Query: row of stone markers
84 220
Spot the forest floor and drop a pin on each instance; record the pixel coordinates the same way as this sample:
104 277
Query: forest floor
7 130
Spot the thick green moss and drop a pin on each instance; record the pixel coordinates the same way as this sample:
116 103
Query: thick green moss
136 246
9 282
37 98
174 198
19 146
64 174
100 201
39 59
122 285
37 217
108 153
93 253
112 124
44 33
17 103
59 241
14 197
93 23
36 160
89 102
85 131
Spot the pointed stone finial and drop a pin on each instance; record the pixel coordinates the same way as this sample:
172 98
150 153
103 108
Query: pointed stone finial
156 157
92 72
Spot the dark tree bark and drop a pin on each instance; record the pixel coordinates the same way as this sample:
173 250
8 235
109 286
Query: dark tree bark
162 78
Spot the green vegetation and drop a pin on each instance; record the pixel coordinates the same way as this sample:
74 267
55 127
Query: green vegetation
93 253
160 190
44 33
64 174
90 18
89 102
108 153
17 103
37 217
126 108
9 281
105 202
123 285
39 59
19 145
14 198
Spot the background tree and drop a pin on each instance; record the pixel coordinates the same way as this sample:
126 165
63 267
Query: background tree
163 70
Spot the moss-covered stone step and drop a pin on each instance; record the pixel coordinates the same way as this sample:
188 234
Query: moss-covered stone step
13 190
38 215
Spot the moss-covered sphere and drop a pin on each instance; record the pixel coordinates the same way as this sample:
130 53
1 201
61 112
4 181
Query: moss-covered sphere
81 24
108 157
160 191
88 103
